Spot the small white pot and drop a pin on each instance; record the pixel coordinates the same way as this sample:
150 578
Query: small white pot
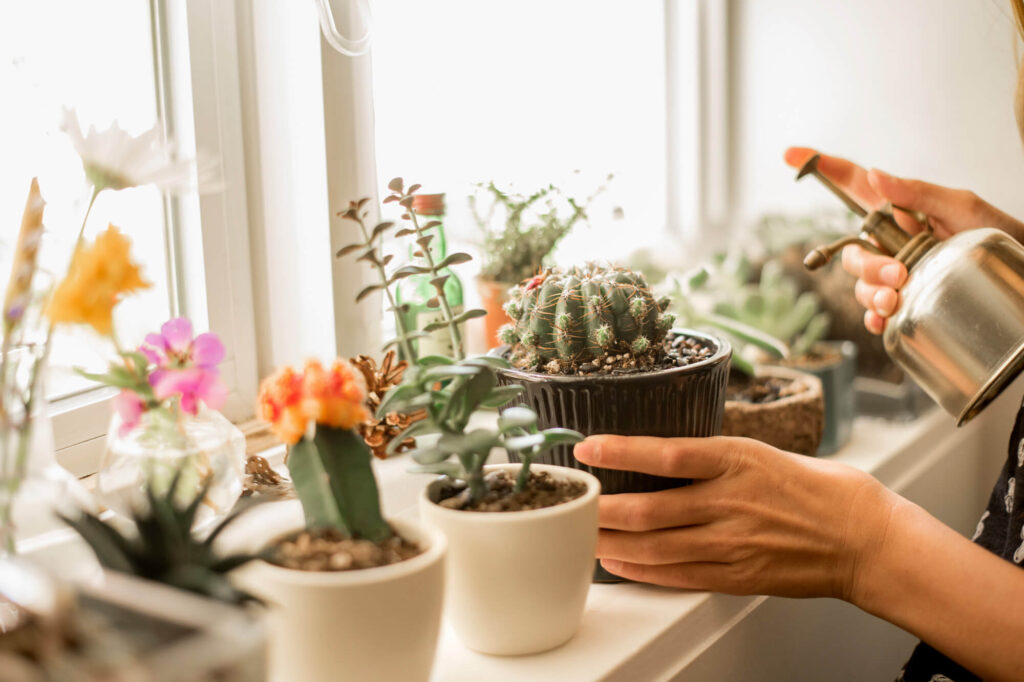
518 581
370 624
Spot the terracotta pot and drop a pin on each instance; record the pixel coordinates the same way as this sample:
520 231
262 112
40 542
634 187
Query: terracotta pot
518 581
493 296
794 423
837 389
371 624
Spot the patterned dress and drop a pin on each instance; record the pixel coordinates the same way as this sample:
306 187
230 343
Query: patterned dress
1001 531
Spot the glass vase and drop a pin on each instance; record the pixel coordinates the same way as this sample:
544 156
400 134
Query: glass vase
34 488
202 450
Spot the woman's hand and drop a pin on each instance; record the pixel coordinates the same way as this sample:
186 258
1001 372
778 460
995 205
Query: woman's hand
949 210
756 521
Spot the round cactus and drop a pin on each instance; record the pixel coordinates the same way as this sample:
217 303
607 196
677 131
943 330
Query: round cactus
580 314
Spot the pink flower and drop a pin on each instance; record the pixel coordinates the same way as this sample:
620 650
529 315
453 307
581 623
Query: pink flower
129 407
174 347
191 384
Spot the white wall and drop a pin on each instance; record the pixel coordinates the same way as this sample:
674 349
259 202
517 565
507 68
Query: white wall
922 88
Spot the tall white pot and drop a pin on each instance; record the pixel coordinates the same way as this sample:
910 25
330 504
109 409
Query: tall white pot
371 624
518 581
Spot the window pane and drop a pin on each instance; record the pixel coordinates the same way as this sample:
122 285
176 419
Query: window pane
527 92
97 58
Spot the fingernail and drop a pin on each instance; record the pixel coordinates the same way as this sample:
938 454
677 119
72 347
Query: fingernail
891 274
588 451
611 565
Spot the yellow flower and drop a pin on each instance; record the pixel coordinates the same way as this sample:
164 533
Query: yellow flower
99 276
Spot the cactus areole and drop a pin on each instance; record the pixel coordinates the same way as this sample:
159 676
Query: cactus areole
582 314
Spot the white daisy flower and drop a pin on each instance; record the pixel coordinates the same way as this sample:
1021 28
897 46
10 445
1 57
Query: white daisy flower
114 159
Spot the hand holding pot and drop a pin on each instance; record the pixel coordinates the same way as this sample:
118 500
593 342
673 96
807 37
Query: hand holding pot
756 520
950 211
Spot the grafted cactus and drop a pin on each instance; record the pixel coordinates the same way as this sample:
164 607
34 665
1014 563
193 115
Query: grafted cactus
580 314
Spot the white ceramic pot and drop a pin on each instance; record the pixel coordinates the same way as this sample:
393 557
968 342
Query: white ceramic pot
371 624
518 581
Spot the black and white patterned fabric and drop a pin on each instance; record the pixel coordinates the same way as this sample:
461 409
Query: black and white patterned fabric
1001 531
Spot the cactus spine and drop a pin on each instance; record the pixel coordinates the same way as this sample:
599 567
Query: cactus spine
580 314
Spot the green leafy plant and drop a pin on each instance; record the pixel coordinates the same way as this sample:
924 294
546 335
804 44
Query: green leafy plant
447 390
370 250
770 314
451 393
533 226
164 549
579 314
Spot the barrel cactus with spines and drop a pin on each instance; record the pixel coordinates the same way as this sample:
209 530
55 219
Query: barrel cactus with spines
581 314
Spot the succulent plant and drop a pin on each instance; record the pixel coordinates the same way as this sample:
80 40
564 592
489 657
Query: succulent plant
164 548
579 314
769 314
530 233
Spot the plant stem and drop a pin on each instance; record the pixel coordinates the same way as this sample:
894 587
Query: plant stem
475 477
403 333
524 473
446 309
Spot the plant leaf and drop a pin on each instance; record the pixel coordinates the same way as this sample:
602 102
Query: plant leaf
454 259
396 185
431 360
501 395
409 271
405 232
345 250
367 291
527 442
381 228
412 189
517 417
450 469
469 315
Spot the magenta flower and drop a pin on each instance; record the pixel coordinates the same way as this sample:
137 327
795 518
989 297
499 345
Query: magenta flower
129 407
174 347
186 367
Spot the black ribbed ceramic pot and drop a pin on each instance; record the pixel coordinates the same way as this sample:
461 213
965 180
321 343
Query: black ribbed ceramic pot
679 401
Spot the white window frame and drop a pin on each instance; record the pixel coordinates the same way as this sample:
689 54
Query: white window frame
223 262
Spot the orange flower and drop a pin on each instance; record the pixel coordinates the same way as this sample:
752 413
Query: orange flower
336 397
98 277
289 400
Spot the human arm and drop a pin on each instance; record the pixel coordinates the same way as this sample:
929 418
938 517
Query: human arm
949 210
761 521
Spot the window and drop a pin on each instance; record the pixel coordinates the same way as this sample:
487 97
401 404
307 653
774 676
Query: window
527 93
136 63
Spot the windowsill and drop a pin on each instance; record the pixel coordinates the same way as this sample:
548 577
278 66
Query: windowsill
632 631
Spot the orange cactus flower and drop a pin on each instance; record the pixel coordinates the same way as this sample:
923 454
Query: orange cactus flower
290 400
336 397
99 275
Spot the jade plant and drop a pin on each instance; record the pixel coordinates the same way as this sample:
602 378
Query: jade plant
164 548
577 315
447 391
533 226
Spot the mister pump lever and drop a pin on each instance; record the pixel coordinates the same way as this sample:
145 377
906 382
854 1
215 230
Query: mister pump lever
878 224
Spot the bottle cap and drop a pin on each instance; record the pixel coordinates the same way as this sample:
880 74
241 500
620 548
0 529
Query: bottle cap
428 204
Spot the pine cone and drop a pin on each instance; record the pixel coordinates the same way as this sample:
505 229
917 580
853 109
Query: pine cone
378 433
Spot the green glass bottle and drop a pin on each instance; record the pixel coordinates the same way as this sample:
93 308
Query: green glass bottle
417 291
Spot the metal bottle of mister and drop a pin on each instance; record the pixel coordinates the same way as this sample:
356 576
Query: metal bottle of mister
959 329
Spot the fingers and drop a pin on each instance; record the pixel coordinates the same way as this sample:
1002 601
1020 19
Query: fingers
673 457
848 175
685 506
874 269
691 576
881 300
698 543
874 322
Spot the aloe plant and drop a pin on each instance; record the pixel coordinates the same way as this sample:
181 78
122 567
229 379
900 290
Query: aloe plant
164 549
